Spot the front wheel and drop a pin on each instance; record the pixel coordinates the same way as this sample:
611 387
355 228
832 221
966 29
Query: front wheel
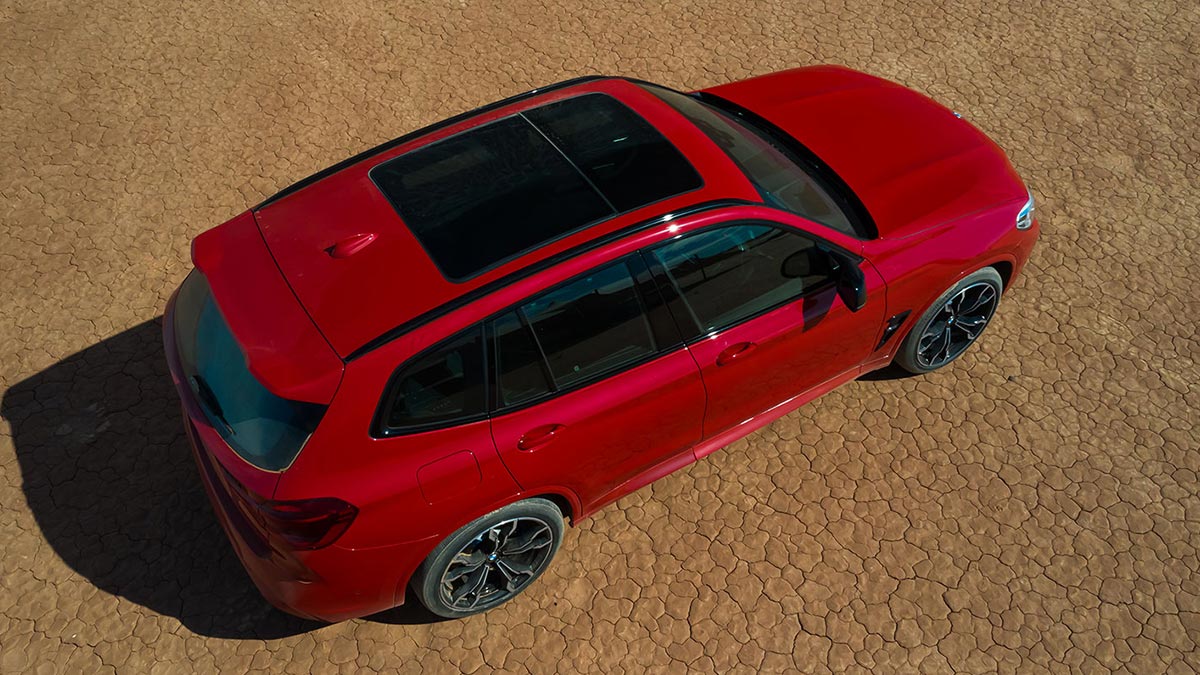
952 323
490 560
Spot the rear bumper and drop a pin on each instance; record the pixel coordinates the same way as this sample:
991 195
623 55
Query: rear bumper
329 584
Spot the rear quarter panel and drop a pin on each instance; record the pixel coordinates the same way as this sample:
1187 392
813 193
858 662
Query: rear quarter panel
407 487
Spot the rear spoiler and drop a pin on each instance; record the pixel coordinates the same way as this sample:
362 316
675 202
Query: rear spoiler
284 349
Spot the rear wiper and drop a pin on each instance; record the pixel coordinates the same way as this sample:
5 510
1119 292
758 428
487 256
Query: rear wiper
209 401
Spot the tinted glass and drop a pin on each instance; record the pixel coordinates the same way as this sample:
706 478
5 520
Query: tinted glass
520 369
446 384
779 180
477 198
262 428
619 152
731 273
591 325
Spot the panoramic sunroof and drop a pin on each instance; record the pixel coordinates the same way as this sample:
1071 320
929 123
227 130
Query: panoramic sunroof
483 196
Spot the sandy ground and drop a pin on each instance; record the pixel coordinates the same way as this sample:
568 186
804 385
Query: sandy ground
1032 508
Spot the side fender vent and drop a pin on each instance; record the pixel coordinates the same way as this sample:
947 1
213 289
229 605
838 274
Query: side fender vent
893 324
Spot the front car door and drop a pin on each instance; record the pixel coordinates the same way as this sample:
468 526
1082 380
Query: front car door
593 386
762 316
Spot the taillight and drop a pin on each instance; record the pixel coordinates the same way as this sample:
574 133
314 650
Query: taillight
303 524
307 524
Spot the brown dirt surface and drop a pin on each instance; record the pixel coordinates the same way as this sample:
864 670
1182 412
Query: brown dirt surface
1033 508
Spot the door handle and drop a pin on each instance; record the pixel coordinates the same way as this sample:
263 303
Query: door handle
735 352
539 436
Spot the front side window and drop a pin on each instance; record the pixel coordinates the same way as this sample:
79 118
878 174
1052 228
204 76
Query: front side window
780 180
445 384
731 273
591 326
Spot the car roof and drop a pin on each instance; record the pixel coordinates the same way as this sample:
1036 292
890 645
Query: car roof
386 278
500 189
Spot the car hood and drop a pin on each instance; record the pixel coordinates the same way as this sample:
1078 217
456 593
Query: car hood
912 162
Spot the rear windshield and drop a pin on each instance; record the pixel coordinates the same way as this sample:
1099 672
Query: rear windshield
488 194
264 429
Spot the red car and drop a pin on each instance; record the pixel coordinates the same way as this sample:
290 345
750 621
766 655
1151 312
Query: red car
403 373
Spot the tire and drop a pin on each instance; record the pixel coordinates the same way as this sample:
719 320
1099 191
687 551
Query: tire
952 323
490 560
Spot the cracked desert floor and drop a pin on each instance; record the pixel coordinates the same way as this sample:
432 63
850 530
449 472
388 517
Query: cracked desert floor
1033 508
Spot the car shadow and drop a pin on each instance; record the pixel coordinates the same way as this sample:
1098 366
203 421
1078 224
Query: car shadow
888 372
109 477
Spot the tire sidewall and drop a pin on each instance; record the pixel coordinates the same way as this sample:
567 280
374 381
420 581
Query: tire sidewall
906 356
428 576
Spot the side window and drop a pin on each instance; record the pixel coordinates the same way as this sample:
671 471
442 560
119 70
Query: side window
445 384
731 273
591 325
520 371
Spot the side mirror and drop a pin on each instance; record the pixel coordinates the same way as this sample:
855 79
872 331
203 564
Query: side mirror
821 262
850 280
807 262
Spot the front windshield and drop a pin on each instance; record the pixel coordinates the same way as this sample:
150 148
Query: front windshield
781 182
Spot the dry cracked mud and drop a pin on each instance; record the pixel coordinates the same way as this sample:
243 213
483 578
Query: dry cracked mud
1033 508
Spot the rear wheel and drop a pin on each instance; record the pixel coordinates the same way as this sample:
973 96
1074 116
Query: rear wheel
952 323
490 560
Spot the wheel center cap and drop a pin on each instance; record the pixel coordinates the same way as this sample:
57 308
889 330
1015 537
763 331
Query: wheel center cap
492 557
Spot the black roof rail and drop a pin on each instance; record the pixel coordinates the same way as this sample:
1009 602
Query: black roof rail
325 173
492 286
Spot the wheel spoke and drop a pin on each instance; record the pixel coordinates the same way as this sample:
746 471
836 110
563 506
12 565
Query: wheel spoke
527 541
514 573
947 342
933 342
986 295
955 304
503 532
493 536
460 566
517 566
971 325
473 586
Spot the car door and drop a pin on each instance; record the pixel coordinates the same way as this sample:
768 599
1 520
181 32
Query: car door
761 308
593 386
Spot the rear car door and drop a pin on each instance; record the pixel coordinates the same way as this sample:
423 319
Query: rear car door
593 385
762 315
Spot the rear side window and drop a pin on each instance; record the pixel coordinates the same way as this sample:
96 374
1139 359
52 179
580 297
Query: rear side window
445 384
587 328
591 326
729 274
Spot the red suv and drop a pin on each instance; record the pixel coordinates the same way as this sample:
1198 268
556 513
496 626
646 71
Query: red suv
404 372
